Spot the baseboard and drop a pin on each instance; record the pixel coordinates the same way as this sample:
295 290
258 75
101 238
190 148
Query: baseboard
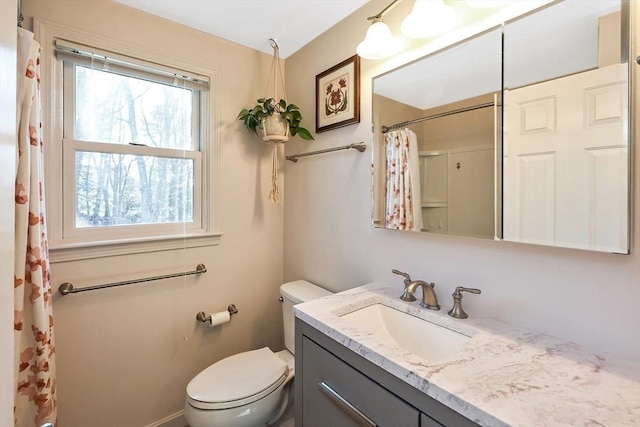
174 420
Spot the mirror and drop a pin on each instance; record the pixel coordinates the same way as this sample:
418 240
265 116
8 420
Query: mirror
556 118
435 124
566 127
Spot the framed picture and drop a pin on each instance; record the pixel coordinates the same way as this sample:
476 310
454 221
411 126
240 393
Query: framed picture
338 95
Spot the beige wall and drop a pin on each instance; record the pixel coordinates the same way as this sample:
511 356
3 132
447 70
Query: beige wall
460 131
122 359
121 356
389 112
585 297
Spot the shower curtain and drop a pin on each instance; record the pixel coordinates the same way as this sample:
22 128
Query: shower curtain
403 205
34 377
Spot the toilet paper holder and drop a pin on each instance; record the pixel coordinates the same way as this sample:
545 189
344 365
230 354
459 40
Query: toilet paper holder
203 317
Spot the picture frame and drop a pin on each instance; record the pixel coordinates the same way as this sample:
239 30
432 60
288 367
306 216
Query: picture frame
338 95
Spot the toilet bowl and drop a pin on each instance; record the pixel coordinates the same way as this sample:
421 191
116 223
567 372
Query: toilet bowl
252 388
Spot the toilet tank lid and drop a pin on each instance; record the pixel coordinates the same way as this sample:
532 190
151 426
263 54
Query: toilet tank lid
300 291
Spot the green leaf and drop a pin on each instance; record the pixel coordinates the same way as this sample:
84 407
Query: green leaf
305 134
269 106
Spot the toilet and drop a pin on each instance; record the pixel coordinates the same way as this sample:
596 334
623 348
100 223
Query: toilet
252 388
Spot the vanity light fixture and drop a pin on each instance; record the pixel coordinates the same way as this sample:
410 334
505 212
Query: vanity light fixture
379 43
428 18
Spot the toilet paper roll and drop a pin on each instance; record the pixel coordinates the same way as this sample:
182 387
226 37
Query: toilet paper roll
219 318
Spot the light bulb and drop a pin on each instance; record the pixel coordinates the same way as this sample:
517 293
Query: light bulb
428 18
378 42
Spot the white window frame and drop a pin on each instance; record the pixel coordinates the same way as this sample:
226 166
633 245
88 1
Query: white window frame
68 243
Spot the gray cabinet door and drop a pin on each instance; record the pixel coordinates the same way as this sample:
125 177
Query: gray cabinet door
337 395
426 421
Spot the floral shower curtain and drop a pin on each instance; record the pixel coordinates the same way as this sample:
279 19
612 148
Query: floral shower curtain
403 205
34 378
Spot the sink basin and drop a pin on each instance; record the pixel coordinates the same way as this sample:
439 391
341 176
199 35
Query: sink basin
427 340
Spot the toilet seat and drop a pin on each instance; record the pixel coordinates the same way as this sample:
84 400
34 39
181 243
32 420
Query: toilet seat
237 380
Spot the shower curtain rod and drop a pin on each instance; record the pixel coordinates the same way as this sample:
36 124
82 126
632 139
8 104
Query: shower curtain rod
20 17
385 129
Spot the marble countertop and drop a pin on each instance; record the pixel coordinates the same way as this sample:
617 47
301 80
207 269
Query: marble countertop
503 376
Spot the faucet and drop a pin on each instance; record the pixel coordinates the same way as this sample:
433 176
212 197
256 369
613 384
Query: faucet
429 298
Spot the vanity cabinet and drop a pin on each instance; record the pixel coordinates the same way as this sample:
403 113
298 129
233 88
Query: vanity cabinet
337 387
335 394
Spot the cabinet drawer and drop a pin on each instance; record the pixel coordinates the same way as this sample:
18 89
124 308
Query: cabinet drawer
337 395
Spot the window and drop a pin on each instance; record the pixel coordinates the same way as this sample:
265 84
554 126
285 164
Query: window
134 150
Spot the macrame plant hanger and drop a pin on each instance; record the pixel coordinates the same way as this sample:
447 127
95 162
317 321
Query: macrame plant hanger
275 122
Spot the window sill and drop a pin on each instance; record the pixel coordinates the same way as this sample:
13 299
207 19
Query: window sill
81 251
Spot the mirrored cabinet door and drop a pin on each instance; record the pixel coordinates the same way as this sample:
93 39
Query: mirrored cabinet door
566 127
521 133
436 124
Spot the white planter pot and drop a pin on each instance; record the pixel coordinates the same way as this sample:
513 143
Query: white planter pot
275 129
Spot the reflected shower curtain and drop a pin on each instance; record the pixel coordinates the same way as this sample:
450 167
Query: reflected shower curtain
403 205
34 378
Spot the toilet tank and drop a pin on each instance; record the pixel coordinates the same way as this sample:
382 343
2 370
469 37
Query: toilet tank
294 293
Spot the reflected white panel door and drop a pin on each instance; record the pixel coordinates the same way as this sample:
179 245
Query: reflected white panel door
566 161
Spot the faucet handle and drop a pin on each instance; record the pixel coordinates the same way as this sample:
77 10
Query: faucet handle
457 310
470 290
407 278
406 295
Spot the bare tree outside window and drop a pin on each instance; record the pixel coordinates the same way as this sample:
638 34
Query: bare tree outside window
121 189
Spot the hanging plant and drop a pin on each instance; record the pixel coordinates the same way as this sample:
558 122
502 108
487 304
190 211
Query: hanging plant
278 120
286 119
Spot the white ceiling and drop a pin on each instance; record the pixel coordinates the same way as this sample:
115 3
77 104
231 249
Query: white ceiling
293 23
